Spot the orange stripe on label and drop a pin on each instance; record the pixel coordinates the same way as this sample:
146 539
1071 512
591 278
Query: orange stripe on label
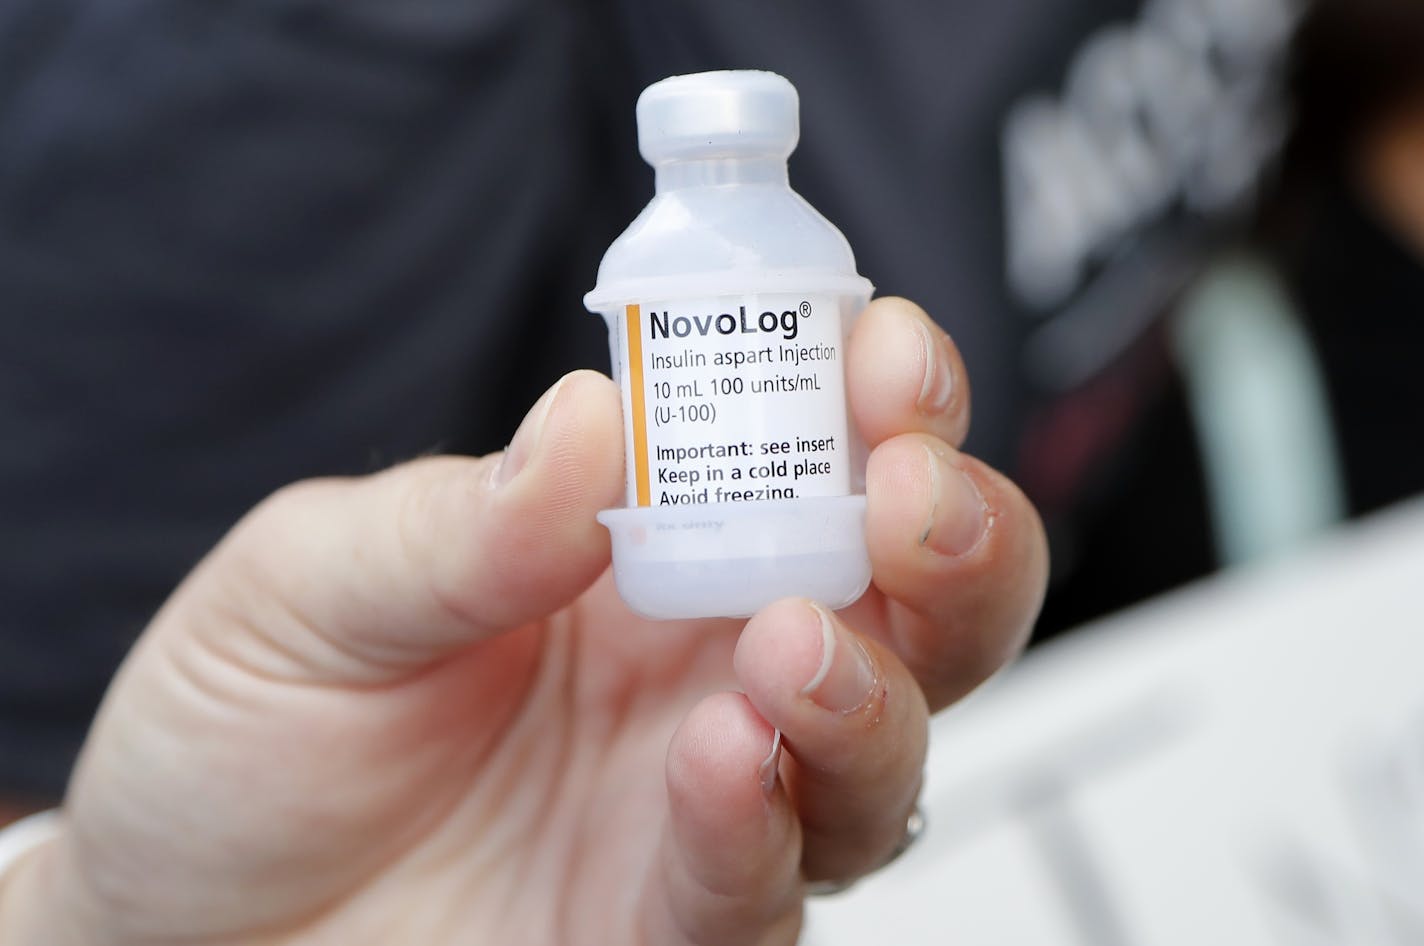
634 322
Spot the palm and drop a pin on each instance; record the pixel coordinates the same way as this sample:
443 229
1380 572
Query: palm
523 772
574 783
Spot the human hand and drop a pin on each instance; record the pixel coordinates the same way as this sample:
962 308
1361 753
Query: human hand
410 708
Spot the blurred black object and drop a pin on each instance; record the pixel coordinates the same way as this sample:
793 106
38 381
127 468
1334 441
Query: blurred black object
1356 75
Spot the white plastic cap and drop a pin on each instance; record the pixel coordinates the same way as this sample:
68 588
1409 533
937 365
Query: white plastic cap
715 114
733 559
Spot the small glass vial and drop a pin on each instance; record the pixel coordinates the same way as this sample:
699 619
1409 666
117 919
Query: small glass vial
728 301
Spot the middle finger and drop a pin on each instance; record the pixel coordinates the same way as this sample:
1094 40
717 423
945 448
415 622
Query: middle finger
904 375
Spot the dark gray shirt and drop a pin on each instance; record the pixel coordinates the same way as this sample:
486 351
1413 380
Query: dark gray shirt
243 243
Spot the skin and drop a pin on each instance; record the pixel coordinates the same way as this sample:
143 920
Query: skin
1388 164
411 708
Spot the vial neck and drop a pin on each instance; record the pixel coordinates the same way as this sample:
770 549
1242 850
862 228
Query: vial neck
709 172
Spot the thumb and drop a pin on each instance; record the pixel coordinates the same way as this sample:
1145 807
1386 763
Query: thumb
368 580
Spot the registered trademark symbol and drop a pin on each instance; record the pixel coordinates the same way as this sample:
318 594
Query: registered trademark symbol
805 310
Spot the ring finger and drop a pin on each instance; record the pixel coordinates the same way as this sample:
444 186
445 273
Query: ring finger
854 726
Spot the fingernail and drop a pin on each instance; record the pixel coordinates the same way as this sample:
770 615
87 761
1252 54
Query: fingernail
526 438
770 766
938 385
958 514
845 680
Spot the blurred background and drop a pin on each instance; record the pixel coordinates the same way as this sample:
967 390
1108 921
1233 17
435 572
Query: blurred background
243 242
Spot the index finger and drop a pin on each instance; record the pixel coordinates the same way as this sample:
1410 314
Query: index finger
905 375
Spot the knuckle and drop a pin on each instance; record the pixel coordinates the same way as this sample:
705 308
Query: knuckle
433 506
279 520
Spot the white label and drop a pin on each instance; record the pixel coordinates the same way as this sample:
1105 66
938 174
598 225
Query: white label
734 399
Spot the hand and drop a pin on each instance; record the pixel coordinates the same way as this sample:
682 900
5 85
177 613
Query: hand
410 708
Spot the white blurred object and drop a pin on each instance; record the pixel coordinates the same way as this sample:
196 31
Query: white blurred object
1239 763
1261 411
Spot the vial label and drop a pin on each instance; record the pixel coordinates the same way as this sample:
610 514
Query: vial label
734 399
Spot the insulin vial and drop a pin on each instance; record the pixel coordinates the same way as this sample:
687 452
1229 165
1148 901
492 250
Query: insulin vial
728 303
